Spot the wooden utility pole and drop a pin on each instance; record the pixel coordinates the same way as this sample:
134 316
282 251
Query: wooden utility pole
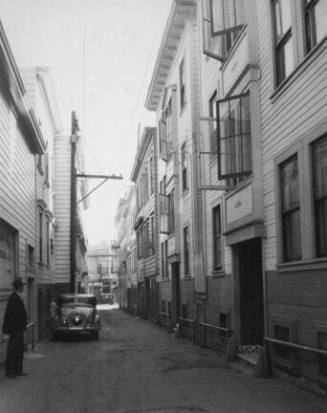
73 198
73 211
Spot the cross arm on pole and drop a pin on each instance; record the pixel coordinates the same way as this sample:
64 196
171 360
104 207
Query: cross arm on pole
100 176
104 177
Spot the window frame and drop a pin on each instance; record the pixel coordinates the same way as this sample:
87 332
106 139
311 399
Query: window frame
30 256
184 168
164 213
316 224
40 236
182 84
186 251
310 29
225 38
286 213
212 111
231 29
279 44
302 147
244 173
217 238
48 241
152 173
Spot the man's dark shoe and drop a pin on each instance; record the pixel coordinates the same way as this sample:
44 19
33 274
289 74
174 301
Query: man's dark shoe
11 376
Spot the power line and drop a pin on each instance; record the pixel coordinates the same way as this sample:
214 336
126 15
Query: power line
141 87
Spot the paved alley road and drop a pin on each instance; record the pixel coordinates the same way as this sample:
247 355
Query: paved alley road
138 367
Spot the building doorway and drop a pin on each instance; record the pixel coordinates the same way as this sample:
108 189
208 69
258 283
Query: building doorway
176 299
30 299
250 292
40 315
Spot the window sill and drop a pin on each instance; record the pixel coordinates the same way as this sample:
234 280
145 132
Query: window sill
218 274
239 186
304 265
164 279
307 61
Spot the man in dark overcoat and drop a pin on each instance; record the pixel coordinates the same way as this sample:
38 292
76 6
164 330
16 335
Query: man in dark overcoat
14 324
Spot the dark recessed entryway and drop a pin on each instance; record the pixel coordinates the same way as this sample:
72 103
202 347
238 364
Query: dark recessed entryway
251 292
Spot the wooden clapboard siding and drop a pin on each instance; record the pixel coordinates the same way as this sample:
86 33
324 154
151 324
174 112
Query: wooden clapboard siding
17 184
287 116
62 164
37 85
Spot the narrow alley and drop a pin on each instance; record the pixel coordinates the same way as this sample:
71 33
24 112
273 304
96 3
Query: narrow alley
137 366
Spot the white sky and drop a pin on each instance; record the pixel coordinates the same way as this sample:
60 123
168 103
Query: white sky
120 41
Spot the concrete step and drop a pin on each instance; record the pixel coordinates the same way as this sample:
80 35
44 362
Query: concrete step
249 356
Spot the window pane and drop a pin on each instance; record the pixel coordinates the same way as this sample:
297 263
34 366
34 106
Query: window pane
290 185
284 41
246 133
321 227
292 236
212 125
320 168
319 157
234 137
217 253
186 251
288 56
282 17
218 15
321 19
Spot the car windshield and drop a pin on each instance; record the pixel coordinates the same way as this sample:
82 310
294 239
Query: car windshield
78 300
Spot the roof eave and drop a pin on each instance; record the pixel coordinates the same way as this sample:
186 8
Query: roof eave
43 75
145 140
17 92
167 51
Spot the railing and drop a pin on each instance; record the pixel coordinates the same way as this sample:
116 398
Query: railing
224 332
296 346
164 318
164 314
30 335
184 321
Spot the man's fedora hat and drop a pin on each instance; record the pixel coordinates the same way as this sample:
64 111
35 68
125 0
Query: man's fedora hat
18 282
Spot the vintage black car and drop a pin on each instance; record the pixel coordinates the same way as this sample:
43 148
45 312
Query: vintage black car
75 314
